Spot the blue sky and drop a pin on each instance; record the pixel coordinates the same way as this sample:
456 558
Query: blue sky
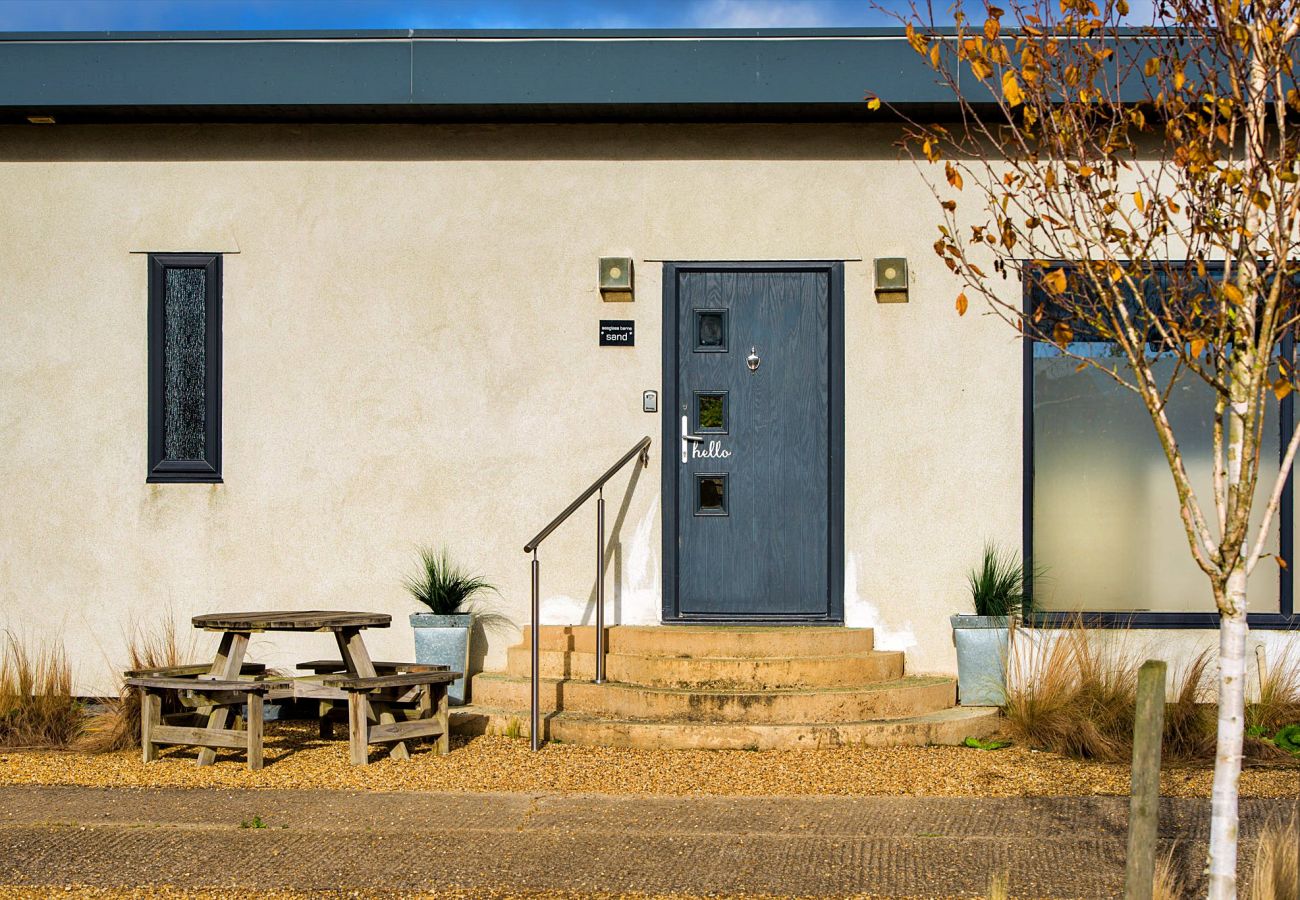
136 15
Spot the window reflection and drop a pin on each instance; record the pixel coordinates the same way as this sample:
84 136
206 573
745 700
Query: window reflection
711 413
711 495
711 330
1106 531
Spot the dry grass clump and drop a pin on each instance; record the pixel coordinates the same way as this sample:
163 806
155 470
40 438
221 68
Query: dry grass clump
1276 872
998 887
118 728
1168 881
1191 727
1278 702
1074 693
37 708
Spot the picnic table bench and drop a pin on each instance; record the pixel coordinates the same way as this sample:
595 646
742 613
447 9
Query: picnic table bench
206 694
388 703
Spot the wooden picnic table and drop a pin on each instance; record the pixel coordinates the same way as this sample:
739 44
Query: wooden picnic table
388 703
238 627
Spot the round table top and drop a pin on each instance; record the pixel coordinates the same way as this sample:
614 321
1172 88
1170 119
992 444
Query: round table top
291 620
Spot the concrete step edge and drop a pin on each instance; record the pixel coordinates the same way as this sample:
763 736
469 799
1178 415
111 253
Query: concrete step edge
685 640
938 717
895 684
953 714
826 657
945 727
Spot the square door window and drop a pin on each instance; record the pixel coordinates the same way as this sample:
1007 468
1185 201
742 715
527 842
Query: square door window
711 495
711 330
710 412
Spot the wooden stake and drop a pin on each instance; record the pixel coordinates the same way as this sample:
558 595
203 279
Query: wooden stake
1144 804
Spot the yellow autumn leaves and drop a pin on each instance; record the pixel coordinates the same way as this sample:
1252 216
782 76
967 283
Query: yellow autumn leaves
1011 91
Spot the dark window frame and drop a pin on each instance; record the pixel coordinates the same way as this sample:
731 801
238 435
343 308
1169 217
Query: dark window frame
723 509
724 314
698 411
1284 619
208 469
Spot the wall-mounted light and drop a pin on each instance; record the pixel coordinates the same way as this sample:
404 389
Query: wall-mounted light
616 279
891 280
41 120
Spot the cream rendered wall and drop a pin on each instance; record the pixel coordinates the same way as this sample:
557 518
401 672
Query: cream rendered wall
410 357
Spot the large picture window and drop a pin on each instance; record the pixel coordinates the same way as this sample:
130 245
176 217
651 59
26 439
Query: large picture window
1102 530
184 367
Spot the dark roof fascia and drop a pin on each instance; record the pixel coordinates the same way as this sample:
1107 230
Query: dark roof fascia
623 75
700 113
490 34
451 34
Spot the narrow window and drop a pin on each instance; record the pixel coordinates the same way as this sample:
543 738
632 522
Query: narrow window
710 331
711 412
184 367
711 495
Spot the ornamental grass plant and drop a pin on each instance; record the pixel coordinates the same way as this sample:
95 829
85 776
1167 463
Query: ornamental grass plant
1190 724
1073 691
118 727
1278 703
997 584
1275 874
444 587
1168 881
37 707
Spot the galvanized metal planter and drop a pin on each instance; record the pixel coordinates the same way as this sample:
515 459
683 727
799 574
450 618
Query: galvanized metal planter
444 640
982 644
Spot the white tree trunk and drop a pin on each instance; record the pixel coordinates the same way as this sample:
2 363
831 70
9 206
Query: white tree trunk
1227 762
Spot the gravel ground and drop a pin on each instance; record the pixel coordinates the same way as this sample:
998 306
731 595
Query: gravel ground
175 893
296 758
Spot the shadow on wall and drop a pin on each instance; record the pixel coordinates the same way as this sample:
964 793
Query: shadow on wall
614 557
487 626
484 627
129 143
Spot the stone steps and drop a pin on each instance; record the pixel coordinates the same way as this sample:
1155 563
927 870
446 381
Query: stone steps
948 726
715 672
721 687
745 642
900 698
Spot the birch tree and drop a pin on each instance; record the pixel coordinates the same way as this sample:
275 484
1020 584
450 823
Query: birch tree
1143 183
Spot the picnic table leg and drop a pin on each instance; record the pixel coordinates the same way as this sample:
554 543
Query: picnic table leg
358 728
150 715
357 659
226 666
444 717
398 750
424 702
255 731
326 726
255 719
355 655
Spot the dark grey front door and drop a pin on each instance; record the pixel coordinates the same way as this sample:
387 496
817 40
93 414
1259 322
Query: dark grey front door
753 442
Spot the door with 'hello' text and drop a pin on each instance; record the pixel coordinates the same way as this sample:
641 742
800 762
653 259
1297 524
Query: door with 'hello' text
753 442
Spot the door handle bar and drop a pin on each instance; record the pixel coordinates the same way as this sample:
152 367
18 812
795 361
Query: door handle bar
687 437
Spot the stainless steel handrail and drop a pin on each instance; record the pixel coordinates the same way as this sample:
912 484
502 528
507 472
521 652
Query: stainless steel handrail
641 449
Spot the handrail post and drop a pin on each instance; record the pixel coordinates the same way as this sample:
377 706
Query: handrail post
600 587
534 727
642 449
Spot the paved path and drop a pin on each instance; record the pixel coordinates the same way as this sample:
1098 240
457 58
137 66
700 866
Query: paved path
327 840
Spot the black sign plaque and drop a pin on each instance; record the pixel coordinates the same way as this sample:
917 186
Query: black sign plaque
617 333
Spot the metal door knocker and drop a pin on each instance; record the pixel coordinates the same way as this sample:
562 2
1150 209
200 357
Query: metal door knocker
752 360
